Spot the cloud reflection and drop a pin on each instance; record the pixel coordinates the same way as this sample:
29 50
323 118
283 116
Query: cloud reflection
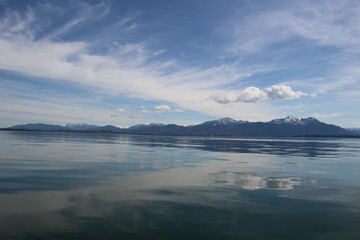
250 181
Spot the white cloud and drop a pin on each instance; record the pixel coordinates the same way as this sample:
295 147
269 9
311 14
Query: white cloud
166 108
254 94
251 94
121 110
248 95
163 108
224 98
283 92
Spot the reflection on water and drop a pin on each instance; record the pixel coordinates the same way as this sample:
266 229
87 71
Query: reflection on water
93 186
251 181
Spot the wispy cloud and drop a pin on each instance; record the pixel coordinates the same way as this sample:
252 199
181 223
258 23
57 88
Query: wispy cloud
257 63
143 109
334 23
331 115
15 24
126 69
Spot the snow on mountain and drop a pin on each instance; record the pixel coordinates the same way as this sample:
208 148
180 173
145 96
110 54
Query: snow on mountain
294 120
221 122
225 121
287 120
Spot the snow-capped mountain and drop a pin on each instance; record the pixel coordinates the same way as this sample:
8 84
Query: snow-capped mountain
294 120
222 122
225 121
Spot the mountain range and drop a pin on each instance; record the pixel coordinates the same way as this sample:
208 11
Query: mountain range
282 127
354 131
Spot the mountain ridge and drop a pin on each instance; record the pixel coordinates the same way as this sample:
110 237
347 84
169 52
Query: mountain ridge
281 127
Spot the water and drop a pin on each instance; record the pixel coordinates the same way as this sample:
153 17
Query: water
93 186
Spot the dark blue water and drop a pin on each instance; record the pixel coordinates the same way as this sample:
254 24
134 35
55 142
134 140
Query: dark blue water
93 186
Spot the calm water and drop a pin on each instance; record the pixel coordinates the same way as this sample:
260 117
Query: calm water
84 186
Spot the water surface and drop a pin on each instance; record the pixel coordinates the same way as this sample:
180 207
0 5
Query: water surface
104 186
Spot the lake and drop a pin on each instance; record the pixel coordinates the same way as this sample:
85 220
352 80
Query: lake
107 186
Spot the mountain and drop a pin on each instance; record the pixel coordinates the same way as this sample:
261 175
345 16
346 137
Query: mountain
291 120
220 122
107 128
143 126
282 127
37 127
80 126
158 129
292 126
354 131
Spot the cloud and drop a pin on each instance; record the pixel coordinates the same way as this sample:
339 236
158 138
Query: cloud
224 98
292 30
254 94
331 115
166 108
143 109
22 106
332 23
121 110
132 68
282 92
251 94
298 40
158 52
163 108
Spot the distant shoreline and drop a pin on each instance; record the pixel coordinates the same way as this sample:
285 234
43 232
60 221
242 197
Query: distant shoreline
174 135
224 127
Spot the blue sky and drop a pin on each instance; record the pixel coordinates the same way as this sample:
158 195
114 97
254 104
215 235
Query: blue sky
184 62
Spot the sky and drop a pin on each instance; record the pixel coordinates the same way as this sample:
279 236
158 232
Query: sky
184 62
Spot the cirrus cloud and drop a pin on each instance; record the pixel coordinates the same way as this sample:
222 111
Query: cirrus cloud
135 69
